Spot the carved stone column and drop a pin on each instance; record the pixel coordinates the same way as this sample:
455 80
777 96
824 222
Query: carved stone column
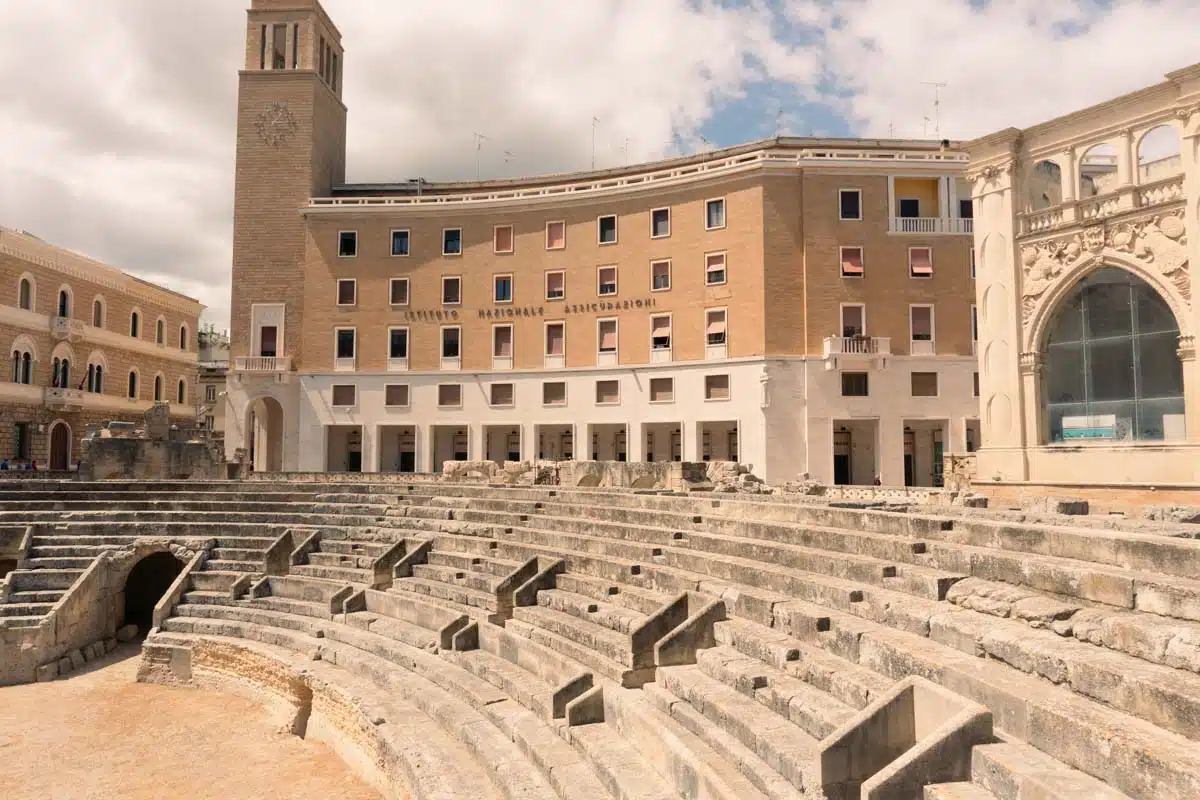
1035 414
1191 386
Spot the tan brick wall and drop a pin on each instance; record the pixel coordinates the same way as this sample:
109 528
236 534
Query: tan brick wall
886 289
686 247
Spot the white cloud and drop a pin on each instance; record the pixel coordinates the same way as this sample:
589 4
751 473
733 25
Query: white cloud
117 121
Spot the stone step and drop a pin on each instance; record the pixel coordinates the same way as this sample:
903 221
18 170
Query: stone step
783 745
39 579
806 706
466 562
195 505
609 644
21 622
217 515
566 647
79 563
262 617
755 770
620 766
111 541
237 554
461 598
284 605
212 580
225 565
957 791
611 616
50 596
345 574
304 588
39 550
633 598
1014 771
685 759
353 547
395 629
318 558
522 686
478 581
435 759
12 609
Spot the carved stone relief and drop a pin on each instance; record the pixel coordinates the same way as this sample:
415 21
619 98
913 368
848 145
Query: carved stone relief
1160 242
275 124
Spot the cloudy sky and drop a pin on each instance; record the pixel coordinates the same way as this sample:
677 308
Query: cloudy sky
116 120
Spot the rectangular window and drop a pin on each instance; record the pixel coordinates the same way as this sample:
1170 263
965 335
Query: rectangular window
714 269
660 223
395 395
449 395
502 394
920 262
972 263
268 337
450 342
974 324
503 289
716 387
296 46
22 441
966 209
398 291
321 57
714 326
554 393
854 384
400 243
555 338
924 384
556 235
262 49
854 320
345 395
451 290
660 276
345 343
921 321
502 341
850 203
398 343
662 390
608 392
660 332
347 294
909 207
556 285
714 214
606 335
210 394
607 229
852 262
975 380
607 280
502 238
347 244
452 242
279 50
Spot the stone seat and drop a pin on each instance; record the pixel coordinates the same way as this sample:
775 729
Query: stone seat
613 616
419 751
1012 771
60 562
344 574
395 629
228 565
237 554
463 599
957 791
470 562
18 609
83 537
45 596
471 579
601 649
353 547
466 707
211 580
22 580
644 601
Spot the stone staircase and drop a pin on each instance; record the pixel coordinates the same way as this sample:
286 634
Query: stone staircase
592 643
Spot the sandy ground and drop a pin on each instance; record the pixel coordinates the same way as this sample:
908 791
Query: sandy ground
98 735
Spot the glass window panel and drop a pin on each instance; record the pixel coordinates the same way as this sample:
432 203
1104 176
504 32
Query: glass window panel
1068 325
1159 372
1110 367
1064 373
1153 313
1108 312
1151 424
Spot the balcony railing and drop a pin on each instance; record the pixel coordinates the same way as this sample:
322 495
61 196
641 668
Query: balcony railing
66 328
344 364
922 347
942 225
1119 200
262 364
397 365
63 398
858 346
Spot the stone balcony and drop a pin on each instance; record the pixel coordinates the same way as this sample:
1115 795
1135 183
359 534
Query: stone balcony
1162 192
63 399
864 351
262 364
932 225
65 328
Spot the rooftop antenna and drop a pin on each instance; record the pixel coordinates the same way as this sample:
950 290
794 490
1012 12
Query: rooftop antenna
625 150
508 156
707 144
924 127
779 121
937 107
479 137
595 122
891 131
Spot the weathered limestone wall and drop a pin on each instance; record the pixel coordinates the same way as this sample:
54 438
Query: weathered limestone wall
144 459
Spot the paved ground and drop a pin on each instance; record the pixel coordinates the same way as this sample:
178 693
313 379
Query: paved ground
99 735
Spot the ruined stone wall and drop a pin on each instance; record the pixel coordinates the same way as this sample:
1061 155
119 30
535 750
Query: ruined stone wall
143 459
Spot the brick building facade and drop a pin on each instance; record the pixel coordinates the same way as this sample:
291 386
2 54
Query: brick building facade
802 305
86 343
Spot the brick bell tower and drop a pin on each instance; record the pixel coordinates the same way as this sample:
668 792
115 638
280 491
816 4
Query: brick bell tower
291 145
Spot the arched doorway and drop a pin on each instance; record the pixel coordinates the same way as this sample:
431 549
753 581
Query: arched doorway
148 581
1112 364
60 446
264 434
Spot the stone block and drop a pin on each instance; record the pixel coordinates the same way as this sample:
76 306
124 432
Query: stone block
110 645
65 665
47 672
127 633
77 659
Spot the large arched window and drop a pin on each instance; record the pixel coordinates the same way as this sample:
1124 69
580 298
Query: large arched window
1112 366
25 294
64 302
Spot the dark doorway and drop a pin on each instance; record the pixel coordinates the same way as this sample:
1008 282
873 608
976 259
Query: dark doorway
354 461
60 446
148 581
408 461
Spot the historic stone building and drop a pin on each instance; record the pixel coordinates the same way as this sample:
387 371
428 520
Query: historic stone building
1086 229
86 343
802 305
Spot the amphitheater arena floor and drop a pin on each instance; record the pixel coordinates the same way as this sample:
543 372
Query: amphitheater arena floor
99 735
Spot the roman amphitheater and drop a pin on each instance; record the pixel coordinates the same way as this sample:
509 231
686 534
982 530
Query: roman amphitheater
471 640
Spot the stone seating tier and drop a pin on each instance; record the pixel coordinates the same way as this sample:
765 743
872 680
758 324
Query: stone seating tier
1081 642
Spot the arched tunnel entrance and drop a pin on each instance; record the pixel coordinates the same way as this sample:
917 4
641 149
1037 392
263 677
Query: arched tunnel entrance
148 581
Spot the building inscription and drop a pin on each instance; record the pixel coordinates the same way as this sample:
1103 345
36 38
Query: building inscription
512 312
